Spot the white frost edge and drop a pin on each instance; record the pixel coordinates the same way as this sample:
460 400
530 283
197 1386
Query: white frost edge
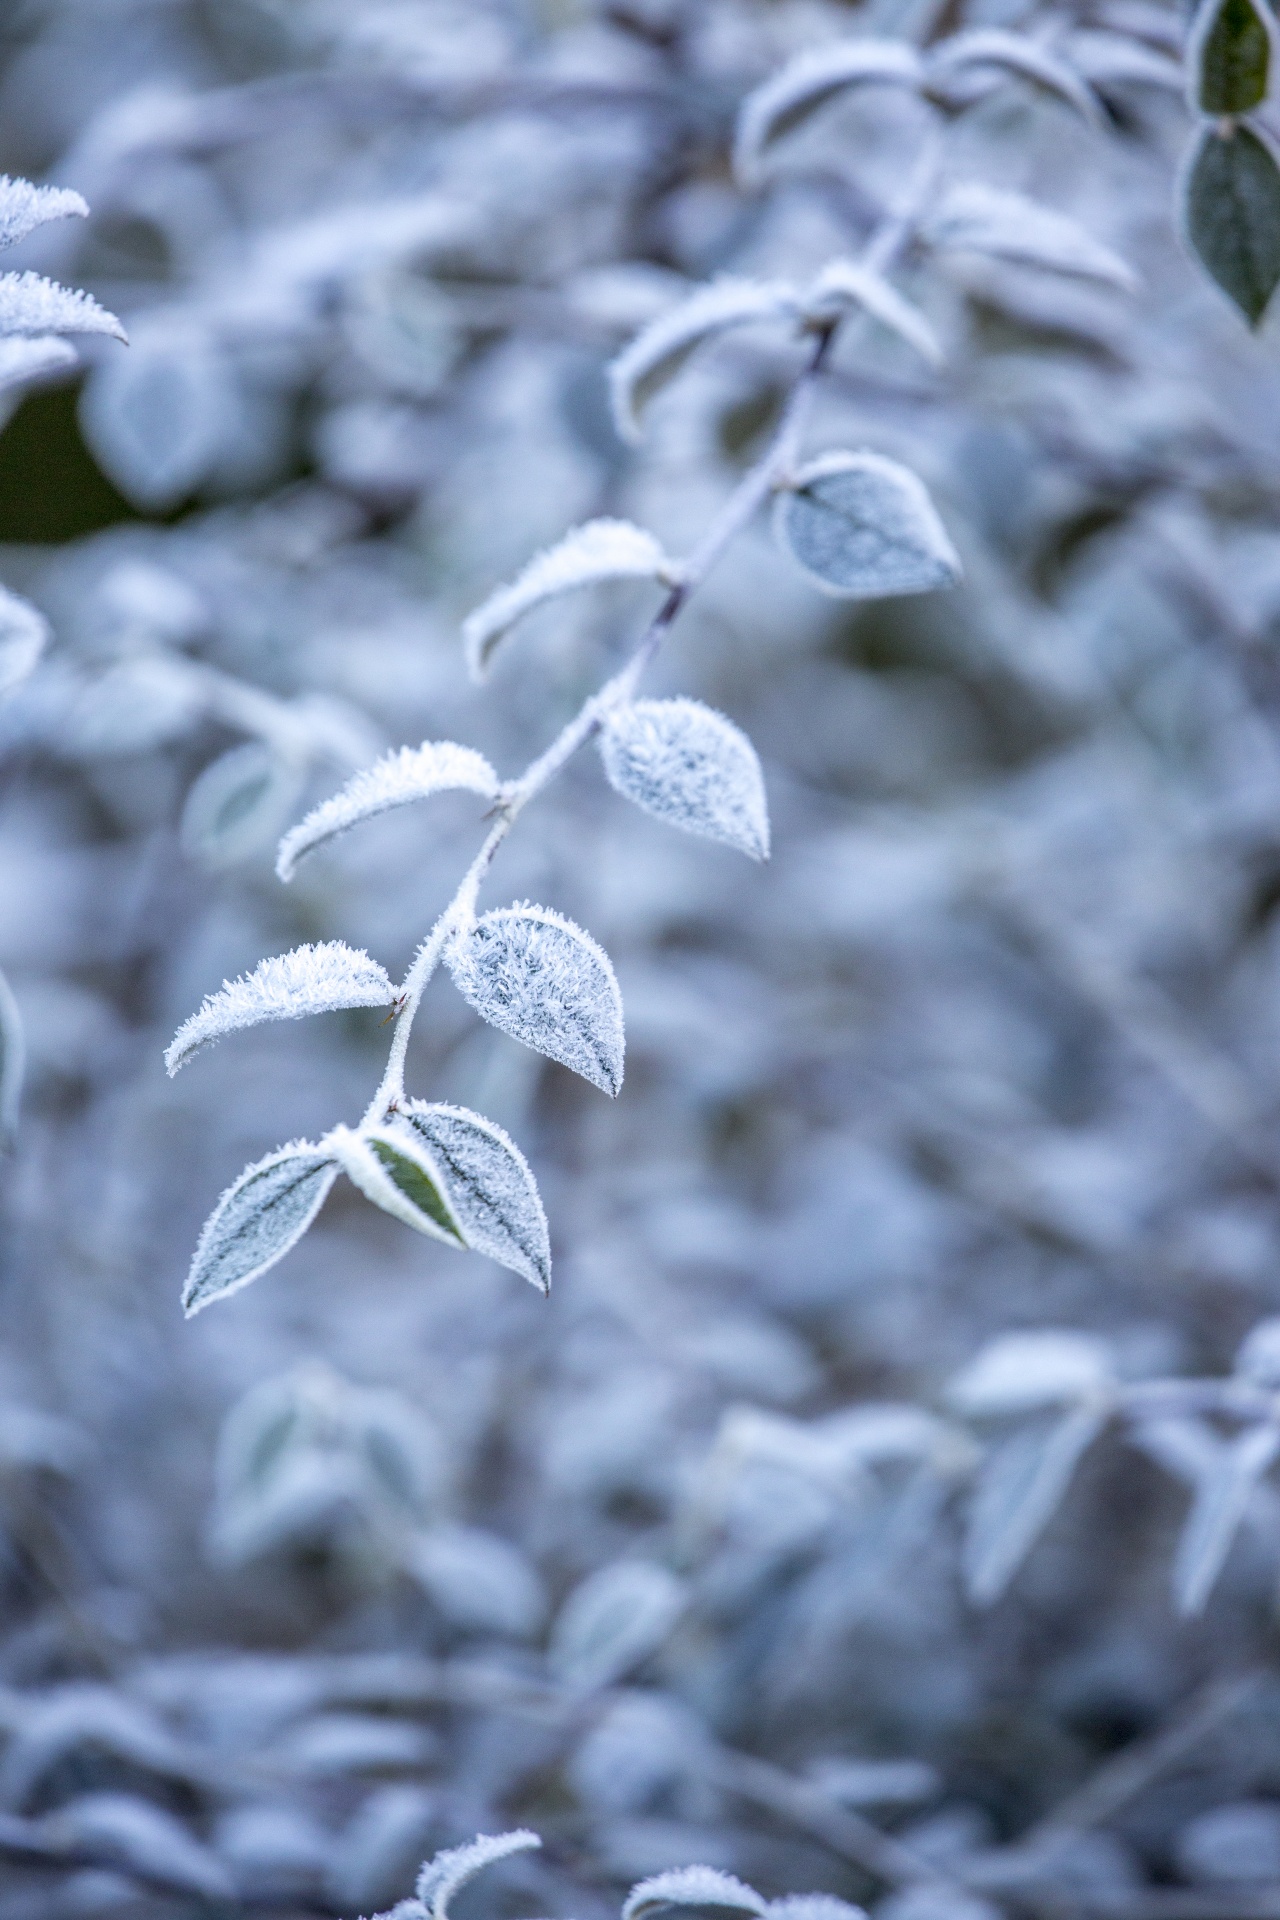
309 979
813 75
728 302
597 551
408 773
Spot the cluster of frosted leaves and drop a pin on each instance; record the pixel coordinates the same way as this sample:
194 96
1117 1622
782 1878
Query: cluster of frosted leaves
410 773
688 765
36 312
863 526
535 975
309 979
589 555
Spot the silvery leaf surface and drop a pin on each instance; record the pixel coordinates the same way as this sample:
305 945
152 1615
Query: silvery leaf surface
258 1219
444 1876
535 975
310 979
1016 53
847 283
691 1887
616 1618
688 765
235 805
806 83
24 207
408 773
863 527
1216 1513
23 358
32 305
598 551
1019 1487
1018 1372
490 1188
975 217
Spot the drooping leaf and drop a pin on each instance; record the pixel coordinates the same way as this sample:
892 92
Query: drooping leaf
13 1064
1216 1513
409 773
601 550
491 1191
444 1876
691 1887
259 1217
617 1617
1017 1372
540 978
24 207
306 980
1229 56
659 350
1016 53
395 1170
1231 215
30 304
846 283
690 766
235 805
982 219
24 634
864 527
806 83
1021 1483
30 359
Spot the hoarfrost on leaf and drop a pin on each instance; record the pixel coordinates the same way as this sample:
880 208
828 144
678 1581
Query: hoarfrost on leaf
444 1876
806 83
1216 1513
30 304
479 1580
659 351
535 975
982 219
691 1887
1017 1372
616 1618
288 986
258 1219
688 765
24 207
394 1169
1017 53
598 551
408 773
847 283
863 528
491 1190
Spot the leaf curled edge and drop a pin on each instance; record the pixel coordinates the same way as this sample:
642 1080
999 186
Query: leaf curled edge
845 283
258 1219
598 551
806 83
409 773
442 1877
399 1174
658 351
318 979
691 1887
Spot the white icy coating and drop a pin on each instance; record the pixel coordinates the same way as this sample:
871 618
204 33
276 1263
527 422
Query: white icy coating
1016 52
613 1620
1011 227
691 1887
399 1175
688 765
259 1217
538 977
599 550
1019 1371
24 207
24 634
306 980
863 527
22 359
844 282
659 351
490 1188
31 304
442 1877
409 773
806 82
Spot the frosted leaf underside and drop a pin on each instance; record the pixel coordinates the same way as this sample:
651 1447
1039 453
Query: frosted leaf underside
442 1877
691 1887
27 359
260 1216
411 773
864 527
661 349
535 975
600 550
974 217
30 304
398 1174
317 979
807 83
688 765
24 207
489 1185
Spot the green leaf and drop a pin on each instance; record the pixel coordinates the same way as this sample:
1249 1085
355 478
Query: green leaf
1230 57
1232 216
415 1184
399 1174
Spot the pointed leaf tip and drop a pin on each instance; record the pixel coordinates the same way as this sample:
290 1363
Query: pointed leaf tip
688 765
864 527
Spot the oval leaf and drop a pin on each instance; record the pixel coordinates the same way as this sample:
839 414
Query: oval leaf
490 1189
689 766
1216 1513
659 351
411 773
236 804
24 634
846 283
1231 211
864 527
316 979
691 1887
1008 226
1229 56
600 550
535 975
395 1170
1021 1483
614 1620
442 1877
980 47
259 1217
807 83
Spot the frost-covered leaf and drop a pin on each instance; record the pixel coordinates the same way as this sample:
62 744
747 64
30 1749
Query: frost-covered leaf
13 1064
601 550
30 304
30 359
846 283
540 978
479 1580
980 47
806 83
236 804
1021 1482
24 634
1231 215
259 1217
691 1887
118 1829
442 1877
689 766
1259 1355
616 1618
659 351
1018 1372
982 219
1229 56
1216 1513
288 986
864 528
24 207
158 417
491 1190
395 1169
409 773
